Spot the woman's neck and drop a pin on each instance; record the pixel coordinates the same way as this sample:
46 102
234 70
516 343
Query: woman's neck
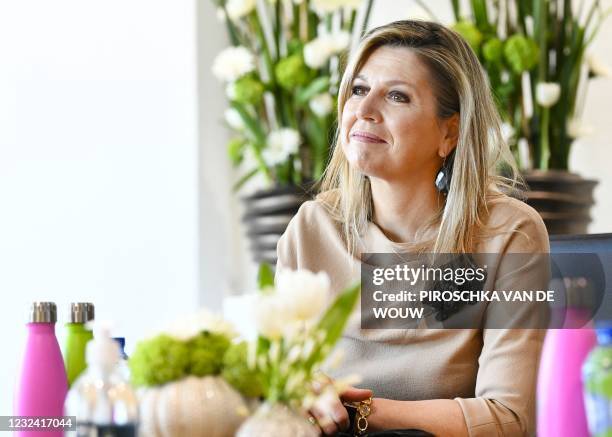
402 209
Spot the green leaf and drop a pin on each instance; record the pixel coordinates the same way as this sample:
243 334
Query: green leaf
244 179
479 7
235 150
333 322
315 87
265 276
252 127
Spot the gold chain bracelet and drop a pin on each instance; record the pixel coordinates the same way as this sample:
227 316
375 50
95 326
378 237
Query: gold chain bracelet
363 411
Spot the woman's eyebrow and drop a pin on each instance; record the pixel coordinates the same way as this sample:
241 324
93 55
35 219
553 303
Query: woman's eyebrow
389 82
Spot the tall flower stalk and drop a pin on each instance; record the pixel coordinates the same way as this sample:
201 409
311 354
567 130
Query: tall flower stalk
281 76
535 54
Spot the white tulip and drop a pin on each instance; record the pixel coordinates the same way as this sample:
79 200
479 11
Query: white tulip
318 51
547 93
233 63
305 293
597 67
576 128
237 9
321 104
340 40
233 119
280 144
270 315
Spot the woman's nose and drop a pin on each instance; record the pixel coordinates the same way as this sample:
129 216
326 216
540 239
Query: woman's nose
368 110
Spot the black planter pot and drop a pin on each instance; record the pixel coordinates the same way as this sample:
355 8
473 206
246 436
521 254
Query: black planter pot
563 199
267 214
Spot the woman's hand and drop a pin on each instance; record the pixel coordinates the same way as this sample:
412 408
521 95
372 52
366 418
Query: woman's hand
330 413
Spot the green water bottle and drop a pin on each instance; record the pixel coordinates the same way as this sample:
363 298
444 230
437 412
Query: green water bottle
77 338
597 382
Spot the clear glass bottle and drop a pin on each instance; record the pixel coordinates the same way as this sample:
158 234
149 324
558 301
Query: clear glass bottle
101 398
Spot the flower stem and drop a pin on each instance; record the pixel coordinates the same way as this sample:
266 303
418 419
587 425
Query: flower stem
544 145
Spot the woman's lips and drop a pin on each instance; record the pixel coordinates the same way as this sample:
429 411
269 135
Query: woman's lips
366 137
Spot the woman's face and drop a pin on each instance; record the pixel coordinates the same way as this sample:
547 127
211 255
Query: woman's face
389 128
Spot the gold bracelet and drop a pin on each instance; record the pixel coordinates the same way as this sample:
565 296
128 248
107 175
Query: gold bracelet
363 411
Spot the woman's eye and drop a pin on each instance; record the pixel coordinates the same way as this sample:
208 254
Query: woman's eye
359 90
396 96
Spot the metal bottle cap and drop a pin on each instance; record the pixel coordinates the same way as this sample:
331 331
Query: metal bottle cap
43 312
81 312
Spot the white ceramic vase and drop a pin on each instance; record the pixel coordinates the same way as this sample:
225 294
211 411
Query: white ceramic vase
195 407
277 420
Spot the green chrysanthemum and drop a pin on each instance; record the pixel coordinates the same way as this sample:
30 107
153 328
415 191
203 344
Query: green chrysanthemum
291 72
238 374
206 353
247 90
159 360
493 50
521 53
470 33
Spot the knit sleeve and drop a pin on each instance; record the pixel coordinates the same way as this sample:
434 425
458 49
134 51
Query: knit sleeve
505 392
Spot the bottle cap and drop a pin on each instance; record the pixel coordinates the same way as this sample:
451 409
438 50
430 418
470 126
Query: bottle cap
603 330
121 342
42 312
81 312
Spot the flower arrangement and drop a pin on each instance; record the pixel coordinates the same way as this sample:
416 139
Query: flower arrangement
179 376
194 346
281 77
297 327
535 54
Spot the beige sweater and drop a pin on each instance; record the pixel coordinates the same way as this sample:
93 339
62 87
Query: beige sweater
491 373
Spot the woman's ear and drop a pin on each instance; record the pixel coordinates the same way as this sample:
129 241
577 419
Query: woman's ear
451 135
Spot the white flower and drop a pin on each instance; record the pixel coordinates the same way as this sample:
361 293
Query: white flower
323 7
237 9
597 67
305 293
507 132
233 119
249 159
322 104
318 51
270 315
316 54
547 93
280 144
192 325
576 128
232 63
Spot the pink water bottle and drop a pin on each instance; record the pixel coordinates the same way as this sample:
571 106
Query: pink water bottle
42 384
560 400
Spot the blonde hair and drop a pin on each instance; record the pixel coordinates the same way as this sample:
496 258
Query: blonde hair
460 86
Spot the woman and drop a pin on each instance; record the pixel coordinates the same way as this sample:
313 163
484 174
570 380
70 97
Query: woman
415 102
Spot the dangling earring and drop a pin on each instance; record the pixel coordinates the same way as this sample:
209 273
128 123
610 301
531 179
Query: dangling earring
443 179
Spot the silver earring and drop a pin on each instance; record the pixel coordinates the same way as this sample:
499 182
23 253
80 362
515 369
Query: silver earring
443 178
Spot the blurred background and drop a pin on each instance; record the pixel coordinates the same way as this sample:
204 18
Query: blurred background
115 181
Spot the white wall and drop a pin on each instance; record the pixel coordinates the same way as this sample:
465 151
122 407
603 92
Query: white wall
98 163
225 266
